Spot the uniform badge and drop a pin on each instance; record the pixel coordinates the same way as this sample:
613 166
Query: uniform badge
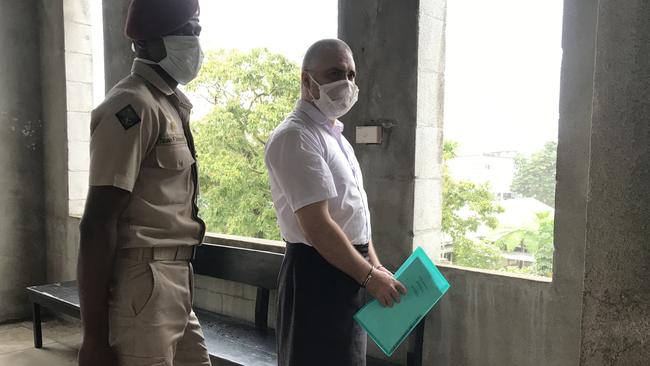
128 117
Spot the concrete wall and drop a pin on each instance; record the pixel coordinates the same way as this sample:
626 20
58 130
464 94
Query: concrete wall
616 315
77 24
486 319
118 56
22 240
67 102
399 73
399 52
55 139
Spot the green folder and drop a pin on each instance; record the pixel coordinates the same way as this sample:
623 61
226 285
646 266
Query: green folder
388 327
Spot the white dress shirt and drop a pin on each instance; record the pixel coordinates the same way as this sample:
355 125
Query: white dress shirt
309 160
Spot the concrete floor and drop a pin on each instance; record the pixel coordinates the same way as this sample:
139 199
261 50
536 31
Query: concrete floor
61 340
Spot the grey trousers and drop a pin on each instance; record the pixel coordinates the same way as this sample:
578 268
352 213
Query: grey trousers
316 302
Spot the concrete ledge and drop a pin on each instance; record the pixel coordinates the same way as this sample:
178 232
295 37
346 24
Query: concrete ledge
468 271
245 242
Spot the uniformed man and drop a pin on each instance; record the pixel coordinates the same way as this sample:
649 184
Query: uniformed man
322 210
141 224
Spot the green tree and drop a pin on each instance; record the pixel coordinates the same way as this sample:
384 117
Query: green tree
460 195
250 94
535 176
536 239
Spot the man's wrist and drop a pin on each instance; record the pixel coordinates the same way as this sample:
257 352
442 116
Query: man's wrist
363 273
368 277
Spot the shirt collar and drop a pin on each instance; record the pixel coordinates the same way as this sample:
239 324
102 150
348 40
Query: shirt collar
317 116
149 74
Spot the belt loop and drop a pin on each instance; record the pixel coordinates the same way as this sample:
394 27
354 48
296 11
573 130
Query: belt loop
176 253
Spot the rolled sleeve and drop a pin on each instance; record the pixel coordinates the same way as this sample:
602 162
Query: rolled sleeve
117 148
296 162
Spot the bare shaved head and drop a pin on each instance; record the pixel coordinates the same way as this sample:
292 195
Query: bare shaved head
326 61
322 49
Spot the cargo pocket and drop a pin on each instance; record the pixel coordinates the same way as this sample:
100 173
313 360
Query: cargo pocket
144 289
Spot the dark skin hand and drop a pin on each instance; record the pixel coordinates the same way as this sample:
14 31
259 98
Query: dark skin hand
97 249
98 244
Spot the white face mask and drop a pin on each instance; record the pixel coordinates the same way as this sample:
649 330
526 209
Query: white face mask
337 98
184 58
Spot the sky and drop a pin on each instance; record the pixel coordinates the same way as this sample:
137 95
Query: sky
288 27
502 60
502 77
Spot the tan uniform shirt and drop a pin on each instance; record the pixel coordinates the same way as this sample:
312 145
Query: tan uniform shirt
141 142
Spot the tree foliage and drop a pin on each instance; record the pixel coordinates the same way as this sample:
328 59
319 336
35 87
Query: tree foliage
535 176
466 207
536 239
250 94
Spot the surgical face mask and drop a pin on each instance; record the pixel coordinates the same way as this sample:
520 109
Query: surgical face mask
336 98
184 58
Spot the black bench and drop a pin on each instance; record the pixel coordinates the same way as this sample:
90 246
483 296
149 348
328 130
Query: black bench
232 339
229 340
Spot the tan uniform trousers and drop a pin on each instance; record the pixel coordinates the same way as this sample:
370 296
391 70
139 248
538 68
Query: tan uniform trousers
150 314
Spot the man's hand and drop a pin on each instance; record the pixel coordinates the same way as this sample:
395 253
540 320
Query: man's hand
383 269
383 287
97 248
96 354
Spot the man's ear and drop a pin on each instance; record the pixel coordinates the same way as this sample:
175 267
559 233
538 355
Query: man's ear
304 79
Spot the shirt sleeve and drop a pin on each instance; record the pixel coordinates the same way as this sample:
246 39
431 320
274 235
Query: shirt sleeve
122 134
296 162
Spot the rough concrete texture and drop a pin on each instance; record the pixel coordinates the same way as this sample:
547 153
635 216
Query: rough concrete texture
485 319
488 319
55 142
399 73
496 320
388 92
118 56
22 249
616 315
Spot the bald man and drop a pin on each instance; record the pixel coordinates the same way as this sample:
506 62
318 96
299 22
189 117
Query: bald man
322 210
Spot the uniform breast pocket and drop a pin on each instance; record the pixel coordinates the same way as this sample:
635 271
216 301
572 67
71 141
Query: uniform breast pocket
174 157
171 179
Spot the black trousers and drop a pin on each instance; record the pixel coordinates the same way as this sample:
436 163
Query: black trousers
316 302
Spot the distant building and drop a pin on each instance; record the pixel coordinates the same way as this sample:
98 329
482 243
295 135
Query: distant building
495 168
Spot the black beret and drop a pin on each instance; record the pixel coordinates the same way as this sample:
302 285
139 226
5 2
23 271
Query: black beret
151 19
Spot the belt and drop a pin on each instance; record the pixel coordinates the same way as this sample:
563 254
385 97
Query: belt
180 253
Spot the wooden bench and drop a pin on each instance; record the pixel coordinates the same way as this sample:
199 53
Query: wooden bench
230 341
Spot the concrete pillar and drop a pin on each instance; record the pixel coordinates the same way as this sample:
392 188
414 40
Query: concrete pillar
118 56
53 81
22 247
616 304
399 53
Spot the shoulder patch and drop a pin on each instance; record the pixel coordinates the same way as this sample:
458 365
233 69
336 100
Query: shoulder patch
128 117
